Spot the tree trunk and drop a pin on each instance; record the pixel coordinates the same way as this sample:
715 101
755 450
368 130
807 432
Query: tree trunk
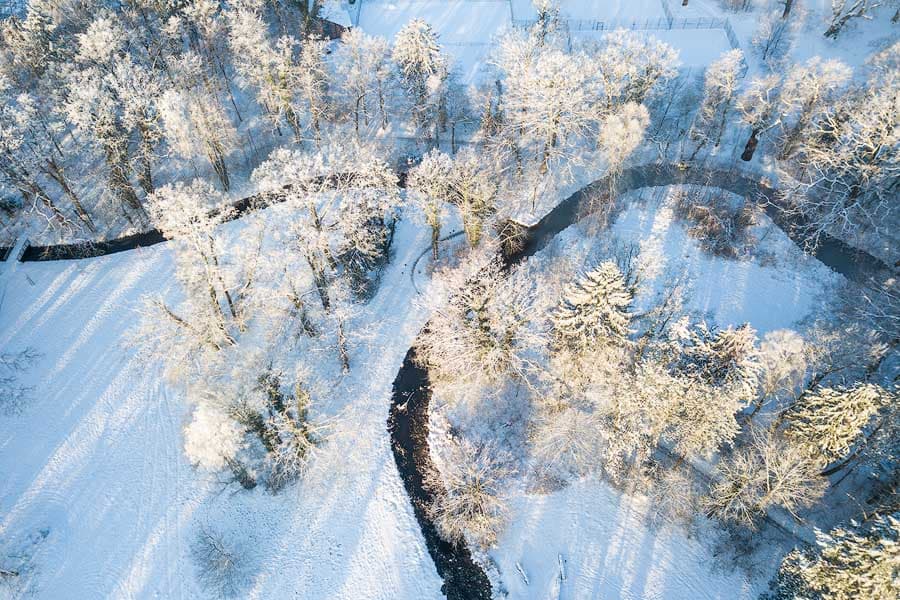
218 164
750 148
788 5
145 175
116 161
55 172
342 348
435 238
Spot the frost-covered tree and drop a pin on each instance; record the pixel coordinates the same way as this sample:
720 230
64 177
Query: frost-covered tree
758 108
547 22
93 106
474 187
630 66
468 494
312 83
765 473
343 201
621 133
194 124
843 11
479 333
784 359
137 89
202 26
221 565
457 107
547 100
720 88
364 73
423 73
726 359
566 440
213 311
28 144
774 38
843 175
859 561
829 422
808 92
430 185
270 68
595 310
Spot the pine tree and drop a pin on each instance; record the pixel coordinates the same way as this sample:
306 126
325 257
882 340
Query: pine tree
862 561
594 310
829 422
423 69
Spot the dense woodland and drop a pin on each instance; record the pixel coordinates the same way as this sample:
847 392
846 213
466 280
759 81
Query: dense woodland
162 114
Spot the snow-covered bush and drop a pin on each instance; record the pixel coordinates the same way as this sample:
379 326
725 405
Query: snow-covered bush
221 564
212 439
469 501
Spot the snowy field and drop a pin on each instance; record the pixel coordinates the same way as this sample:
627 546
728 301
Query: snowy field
696 47
600 10
609 551
466 28
95 484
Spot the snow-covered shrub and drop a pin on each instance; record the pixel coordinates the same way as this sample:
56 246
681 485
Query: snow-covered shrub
468 494
221 566
212 439
721 225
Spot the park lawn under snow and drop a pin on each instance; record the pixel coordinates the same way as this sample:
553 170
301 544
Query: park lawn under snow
610 549
95 485
466 29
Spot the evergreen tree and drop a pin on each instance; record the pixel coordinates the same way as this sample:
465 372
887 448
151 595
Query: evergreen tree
594 310
862 561
829 422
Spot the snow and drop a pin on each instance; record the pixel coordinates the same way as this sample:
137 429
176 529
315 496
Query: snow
609 551
777 286
455 21
465 28
696 47
601 10
96 459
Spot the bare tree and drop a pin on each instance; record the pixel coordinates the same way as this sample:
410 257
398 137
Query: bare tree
468 494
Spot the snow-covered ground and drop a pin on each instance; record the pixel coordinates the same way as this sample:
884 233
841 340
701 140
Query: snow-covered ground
95 461
466 28
696 47
602 10
608 551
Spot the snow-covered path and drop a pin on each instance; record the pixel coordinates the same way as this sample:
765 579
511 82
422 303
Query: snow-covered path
95 459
